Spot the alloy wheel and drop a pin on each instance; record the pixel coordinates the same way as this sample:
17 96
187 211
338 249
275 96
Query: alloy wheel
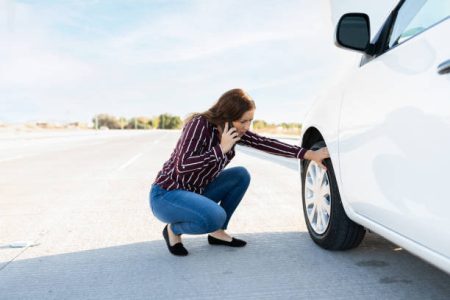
317 197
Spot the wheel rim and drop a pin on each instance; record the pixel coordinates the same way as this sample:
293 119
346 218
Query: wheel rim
317 198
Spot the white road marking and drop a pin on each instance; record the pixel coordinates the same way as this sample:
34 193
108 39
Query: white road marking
128 163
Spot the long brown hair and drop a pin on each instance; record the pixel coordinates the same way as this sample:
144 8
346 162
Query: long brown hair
230 107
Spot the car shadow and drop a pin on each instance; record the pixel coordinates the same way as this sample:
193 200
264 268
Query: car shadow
274 265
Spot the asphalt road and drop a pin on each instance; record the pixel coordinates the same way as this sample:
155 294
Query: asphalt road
82 198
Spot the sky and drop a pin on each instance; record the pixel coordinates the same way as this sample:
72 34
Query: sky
64 61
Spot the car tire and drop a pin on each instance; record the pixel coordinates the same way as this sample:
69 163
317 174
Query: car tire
326 220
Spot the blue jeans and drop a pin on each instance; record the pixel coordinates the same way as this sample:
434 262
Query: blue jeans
192 213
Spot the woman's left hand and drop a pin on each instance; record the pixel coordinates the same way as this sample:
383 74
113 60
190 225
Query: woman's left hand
318 156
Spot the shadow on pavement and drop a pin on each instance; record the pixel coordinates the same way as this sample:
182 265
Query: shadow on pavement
272 266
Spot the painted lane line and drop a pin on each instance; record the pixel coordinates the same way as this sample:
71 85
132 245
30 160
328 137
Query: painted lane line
128 163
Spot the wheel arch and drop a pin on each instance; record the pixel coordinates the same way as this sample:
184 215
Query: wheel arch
311 136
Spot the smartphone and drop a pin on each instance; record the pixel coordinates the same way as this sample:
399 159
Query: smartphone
230 125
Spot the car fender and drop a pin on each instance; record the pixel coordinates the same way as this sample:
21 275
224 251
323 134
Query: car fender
324 117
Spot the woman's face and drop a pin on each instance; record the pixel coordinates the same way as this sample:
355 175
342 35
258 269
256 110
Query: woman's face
243 124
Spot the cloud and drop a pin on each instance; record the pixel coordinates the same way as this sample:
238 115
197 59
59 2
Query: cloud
30 57
74 60
211 28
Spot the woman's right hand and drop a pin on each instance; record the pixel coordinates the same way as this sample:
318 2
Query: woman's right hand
318 156
229 138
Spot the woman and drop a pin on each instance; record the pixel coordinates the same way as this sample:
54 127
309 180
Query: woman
193 193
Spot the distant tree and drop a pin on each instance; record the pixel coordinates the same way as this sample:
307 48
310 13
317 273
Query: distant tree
167 121
155 122
263 126
291 125
145 123
105 120
123 122
259 124
139 123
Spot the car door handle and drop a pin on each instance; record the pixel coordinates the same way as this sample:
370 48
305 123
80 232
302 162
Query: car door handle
444 67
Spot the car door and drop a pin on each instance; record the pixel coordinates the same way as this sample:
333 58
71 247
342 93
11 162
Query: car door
394 132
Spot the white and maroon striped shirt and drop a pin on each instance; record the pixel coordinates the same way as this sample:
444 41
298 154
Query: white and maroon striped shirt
198 158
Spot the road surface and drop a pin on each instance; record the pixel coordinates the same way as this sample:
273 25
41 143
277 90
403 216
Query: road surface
82 199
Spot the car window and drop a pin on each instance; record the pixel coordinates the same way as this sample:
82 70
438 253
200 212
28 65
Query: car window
416 16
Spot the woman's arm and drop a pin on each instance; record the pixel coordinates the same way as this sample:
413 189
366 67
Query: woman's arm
187 159
276 147
271 146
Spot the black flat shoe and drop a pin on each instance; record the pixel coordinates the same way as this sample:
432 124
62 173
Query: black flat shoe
177 249
234 242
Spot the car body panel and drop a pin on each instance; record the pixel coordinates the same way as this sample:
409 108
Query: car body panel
324 117
395 135
387 127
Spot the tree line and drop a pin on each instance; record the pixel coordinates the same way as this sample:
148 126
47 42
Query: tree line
168 121
260 124
163 121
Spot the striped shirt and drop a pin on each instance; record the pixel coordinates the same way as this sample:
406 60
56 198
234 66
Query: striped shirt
198 158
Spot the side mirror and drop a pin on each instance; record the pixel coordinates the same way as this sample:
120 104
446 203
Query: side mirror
353 32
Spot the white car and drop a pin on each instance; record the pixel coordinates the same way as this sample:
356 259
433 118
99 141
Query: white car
387 128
